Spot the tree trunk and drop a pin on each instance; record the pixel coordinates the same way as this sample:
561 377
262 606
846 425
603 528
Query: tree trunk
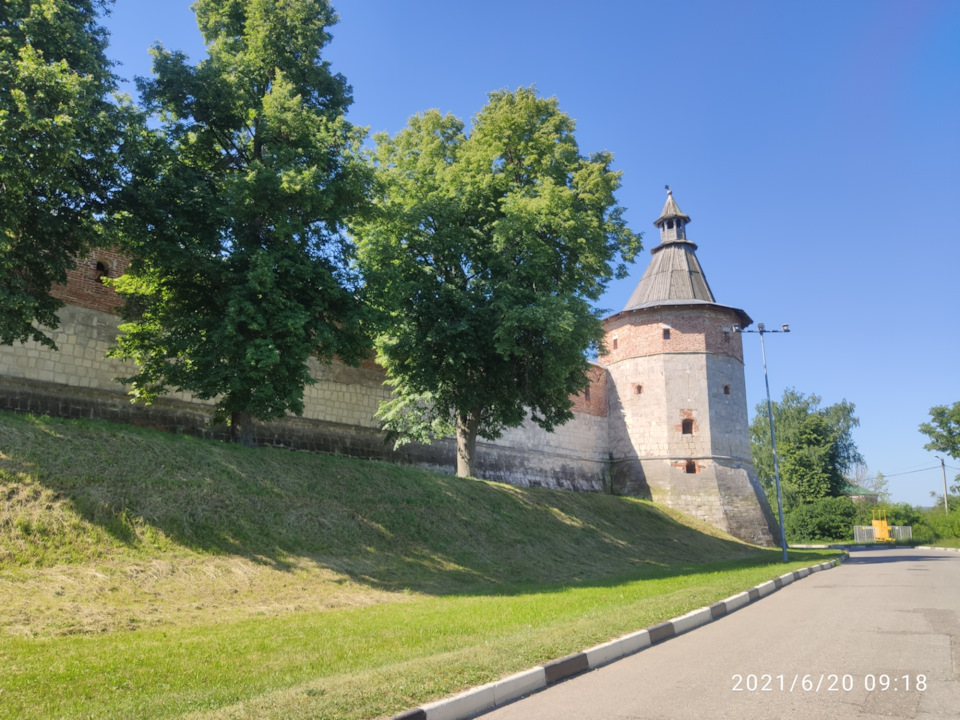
241 428
467 444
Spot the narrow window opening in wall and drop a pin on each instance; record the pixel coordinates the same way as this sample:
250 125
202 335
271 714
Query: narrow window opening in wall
616 343
669 224
666 333
101 272
687 426
586 394
639 389
726 336
726 389
691 467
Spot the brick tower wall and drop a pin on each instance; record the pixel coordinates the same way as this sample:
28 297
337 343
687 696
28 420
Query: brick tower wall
678 416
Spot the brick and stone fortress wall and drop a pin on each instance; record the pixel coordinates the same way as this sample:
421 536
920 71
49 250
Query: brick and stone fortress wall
693 328
678 430
664 416
339 416
671 365
85 287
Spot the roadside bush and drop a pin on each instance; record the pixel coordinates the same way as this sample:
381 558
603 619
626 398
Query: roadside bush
943 524
831 518
923 532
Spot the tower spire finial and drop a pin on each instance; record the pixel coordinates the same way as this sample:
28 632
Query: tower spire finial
671 221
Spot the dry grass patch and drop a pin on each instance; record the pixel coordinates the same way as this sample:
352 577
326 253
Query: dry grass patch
179 592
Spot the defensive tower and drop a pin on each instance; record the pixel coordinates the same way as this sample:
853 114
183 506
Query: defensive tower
677 403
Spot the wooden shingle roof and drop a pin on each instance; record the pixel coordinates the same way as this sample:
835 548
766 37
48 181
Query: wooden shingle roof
674 273
670 210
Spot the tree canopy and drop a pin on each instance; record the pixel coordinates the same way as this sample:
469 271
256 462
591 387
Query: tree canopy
482 258
815 447
235 211
943 430
59 131
944 433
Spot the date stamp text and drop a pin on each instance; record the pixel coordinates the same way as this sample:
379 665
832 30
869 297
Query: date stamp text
828 682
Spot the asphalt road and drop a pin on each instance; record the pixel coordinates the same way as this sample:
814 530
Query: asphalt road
878 637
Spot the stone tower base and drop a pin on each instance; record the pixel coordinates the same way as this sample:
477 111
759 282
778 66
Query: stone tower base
727 495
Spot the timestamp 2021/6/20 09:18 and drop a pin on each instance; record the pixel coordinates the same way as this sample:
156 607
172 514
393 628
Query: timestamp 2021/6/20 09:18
828 682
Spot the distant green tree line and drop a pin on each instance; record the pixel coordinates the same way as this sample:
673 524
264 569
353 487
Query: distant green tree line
821 468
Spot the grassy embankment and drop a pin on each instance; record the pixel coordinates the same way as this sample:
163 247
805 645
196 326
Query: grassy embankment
154 576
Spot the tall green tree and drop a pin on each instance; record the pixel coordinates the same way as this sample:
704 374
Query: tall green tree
943 430
483 257
944 433
815 447
59 131
236 210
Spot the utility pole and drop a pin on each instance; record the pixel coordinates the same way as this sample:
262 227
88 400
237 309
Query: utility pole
943 469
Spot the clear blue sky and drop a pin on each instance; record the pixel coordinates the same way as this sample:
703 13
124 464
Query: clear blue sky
815 144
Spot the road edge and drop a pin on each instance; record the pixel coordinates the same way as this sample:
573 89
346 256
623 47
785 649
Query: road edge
481 699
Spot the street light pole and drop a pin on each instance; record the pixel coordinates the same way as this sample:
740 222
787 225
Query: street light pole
761 331
943 469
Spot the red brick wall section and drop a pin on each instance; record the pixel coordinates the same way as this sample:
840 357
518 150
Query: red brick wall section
85 287
596 404
639 333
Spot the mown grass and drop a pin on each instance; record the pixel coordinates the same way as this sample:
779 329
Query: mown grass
155 576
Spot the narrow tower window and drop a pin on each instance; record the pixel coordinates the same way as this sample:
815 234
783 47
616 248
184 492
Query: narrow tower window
616 343
687 426
691 467
726 389
666 333
101 272
586 394
639 389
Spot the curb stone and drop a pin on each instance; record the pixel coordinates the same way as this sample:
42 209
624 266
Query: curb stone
874 546
944 549
492 695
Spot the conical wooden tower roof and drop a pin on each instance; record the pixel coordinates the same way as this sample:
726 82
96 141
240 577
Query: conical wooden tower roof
674 275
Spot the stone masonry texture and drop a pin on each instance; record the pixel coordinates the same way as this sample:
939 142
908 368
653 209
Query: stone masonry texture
659 384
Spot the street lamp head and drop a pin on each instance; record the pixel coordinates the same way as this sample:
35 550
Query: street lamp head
736 327
785 328
761 327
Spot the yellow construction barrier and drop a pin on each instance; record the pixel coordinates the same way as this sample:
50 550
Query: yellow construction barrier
881 531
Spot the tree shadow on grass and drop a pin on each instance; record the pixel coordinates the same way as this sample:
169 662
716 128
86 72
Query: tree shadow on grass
385 526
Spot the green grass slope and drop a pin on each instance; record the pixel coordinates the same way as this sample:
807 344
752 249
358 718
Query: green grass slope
192 577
